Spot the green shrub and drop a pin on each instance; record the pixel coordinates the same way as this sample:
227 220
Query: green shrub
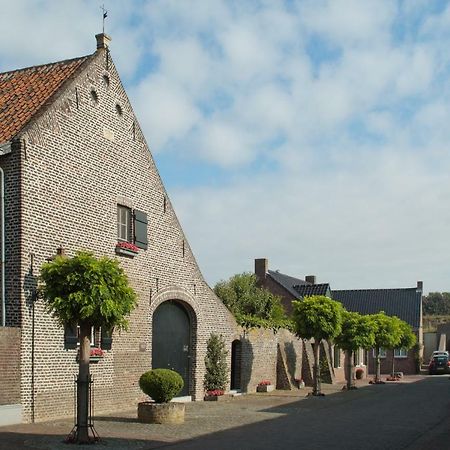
216 375
161 384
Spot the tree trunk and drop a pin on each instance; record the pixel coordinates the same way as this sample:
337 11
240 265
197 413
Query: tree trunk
316 371
350 383
377 365
393 363
82 435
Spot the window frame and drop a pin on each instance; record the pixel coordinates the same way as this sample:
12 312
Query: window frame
382 353
336 357
124 220
400 353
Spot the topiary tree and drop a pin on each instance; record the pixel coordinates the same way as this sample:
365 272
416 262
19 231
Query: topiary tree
357 332
88 292
387 335
216 375
162 385
317 317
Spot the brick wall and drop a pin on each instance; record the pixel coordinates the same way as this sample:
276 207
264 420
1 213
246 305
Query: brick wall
78 159
260 355
9 366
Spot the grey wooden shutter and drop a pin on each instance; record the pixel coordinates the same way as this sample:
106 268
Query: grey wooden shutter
70 337
106 339
140 229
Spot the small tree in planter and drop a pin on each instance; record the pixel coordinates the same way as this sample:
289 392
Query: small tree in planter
162 385
216 375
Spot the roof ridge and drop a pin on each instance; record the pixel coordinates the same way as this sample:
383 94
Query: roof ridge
377 289
64 61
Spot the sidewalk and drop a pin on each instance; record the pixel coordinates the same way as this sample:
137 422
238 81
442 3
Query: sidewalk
122 431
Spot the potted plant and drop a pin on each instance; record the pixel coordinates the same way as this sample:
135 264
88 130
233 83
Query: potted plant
161 385
265 386
126 248
359 373
216 374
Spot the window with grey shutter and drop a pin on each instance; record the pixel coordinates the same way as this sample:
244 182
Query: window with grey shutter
70 337
140 229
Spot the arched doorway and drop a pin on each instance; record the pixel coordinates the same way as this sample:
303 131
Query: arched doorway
171 340
236 365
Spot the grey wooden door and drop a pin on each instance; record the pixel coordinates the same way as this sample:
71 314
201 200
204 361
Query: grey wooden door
171 340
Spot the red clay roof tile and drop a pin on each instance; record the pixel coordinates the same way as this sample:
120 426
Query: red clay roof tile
23 92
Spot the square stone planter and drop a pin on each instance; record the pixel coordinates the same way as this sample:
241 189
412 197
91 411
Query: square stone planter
265 388
216 398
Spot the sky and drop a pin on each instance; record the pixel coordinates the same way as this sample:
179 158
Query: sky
314 133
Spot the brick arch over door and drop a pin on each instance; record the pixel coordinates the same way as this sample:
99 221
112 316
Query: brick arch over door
174 335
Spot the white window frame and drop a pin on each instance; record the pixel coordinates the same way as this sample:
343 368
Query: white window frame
400 353
382 353
124 223
92 336
357 357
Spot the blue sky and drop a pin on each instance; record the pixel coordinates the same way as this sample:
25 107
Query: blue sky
314 133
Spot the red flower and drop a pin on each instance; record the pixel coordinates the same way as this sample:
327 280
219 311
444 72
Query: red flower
215 392
264 383
127 246
95 351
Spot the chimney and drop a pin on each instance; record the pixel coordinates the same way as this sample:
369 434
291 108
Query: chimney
103 41
420 285
261 268
310 279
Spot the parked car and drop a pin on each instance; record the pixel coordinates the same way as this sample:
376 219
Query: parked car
439 364
440 353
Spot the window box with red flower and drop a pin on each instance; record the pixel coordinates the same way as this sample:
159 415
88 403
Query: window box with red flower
95 356
126 248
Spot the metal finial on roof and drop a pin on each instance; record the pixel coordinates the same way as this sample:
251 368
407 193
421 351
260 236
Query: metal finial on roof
105 15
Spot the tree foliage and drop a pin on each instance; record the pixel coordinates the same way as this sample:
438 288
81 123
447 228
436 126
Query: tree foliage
87 289
216 375
317 317
252 306
436 303
358 331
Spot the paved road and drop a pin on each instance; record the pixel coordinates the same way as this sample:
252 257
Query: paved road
409 416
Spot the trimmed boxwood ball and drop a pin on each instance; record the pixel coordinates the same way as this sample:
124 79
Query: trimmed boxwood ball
161 384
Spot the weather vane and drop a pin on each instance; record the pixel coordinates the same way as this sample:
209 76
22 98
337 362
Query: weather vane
105 15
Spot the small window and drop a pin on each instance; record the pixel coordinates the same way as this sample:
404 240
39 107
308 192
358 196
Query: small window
106 80
123 223
382 353
357 357
400 353
119 109
94 96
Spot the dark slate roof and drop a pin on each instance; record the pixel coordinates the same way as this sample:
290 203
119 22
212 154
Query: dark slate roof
403 303
305 290
286 281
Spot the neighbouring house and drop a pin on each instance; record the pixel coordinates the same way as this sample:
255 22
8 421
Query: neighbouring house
76 173
291 288
403 303
406 304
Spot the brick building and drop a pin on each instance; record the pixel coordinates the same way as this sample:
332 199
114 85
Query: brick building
77 173
405 303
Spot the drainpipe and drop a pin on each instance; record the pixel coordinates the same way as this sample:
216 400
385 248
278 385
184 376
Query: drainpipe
2 200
